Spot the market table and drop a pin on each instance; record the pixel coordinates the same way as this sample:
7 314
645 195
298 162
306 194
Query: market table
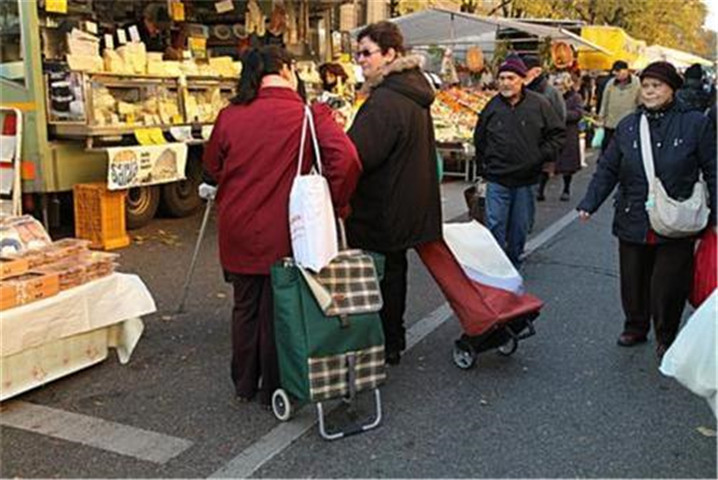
458 154
45 340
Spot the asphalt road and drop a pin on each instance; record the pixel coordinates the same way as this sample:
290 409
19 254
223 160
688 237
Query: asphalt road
568 403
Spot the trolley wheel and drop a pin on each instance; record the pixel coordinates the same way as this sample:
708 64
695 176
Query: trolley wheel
281 405
464 355
509 347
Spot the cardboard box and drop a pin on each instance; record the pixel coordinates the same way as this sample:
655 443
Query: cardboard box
27 288
13 267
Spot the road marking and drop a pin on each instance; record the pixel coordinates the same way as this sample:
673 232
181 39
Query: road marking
94 432
283 435
262 451
542 238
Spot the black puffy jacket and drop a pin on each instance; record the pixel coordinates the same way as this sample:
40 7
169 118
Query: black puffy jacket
684 145
513 142
397 202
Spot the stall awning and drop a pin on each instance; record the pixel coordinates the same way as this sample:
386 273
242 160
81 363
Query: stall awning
616 44
436 26
678 58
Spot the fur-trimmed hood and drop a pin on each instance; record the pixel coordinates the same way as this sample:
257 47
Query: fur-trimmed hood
404 76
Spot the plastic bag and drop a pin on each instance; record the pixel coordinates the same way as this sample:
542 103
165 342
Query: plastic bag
704 268
693 356
598 136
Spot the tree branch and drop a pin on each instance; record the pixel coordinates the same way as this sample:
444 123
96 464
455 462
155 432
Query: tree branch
503 6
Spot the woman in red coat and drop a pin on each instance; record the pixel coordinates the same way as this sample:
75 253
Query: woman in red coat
252 155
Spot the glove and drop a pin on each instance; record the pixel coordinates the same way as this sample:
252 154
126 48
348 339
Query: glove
207 191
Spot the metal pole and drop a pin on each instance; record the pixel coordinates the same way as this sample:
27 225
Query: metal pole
185 289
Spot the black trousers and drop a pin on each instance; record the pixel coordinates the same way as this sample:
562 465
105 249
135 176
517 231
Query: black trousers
393 292
655 284
254 353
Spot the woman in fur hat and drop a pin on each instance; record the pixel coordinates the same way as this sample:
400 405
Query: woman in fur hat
656 272
397 204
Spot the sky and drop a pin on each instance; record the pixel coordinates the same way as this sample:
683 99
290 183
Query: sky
712 18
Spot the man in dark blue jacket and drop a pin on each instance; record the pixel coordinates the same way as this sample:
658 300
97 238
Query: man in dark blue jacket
516 134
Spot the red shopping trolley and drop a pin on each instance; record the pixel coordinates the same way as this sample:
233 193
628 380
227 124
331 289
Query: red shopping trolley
493 310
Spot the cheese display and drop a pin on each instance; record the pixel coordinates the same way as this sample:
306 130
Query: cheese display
114 63
156 105
204 105
85 63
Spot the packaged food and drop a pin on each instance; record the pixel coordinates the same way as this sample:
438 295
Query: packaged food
12 267
34 258
98 264
65 248
22 233
27 288
71 273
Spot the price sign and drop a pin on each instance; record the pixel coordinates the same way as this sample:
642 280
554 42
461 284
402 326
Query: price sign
56 6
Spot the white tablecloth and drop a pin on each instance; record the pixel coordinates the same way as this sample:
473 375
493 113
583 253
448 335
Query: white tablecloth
45 340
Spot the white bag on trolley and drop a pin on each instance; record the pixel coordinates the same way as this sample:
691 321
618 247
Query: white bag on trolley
481 257
311 214
692 357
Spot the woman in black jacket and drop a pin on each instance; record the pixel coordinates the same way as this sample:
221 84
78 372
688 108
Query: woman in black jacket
656 272
397 203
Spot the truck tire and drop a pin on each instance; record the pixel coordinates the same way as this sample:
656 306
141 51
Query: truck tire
180 199
141 205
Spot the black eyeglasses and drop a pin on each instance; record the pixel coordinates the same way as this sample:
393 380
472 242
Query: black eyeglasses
366 53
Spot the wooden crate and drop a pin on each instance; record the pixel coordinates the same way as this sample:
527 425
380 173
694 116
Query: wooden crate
100 216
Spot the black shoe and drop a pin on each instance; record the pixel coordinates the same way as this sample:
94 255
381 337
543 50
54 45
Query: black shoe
629 339
565 197
540 197
393 358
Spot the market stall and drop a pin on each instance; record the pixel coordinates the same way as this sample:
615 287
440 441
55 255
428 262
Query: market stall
88 78
464 49
62 306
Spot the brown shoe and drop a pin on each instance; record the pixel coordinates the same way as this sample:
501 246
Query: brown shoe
629 339
661 350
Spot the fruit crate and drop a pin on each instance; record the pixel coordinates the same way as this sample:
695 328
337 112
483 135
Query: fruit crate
100 215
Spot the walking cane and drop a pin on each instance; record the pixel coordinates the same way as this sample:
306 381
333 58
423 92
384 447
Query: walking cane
208 192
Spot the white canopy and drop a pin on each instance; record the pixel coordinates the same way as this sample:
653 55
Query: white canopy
436 26
678 58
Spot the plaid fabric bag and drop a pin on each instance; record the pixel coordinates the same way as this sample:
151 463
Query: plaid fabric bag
352 282
345 374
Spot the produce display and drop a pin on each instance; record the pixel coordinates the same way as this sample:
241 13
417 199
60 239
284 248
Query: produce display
455 113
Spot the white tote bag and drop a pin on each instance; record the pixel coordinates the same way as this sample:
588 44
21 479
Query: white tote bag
311 214
670 217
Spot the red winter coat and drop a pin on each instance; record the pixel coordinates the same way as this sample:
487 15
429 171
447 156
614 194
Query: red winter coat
253 154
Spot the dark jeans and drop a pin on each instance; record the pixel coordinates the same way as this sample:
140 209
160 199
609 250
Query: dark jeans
393 292
254 352
655 283
509 215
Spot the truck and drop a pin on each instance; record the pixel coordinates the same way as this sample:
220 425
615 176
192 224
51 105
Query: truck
63 142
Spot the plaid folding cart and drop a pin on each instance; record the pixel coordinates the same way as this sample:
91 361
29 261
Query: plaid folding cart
326 351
